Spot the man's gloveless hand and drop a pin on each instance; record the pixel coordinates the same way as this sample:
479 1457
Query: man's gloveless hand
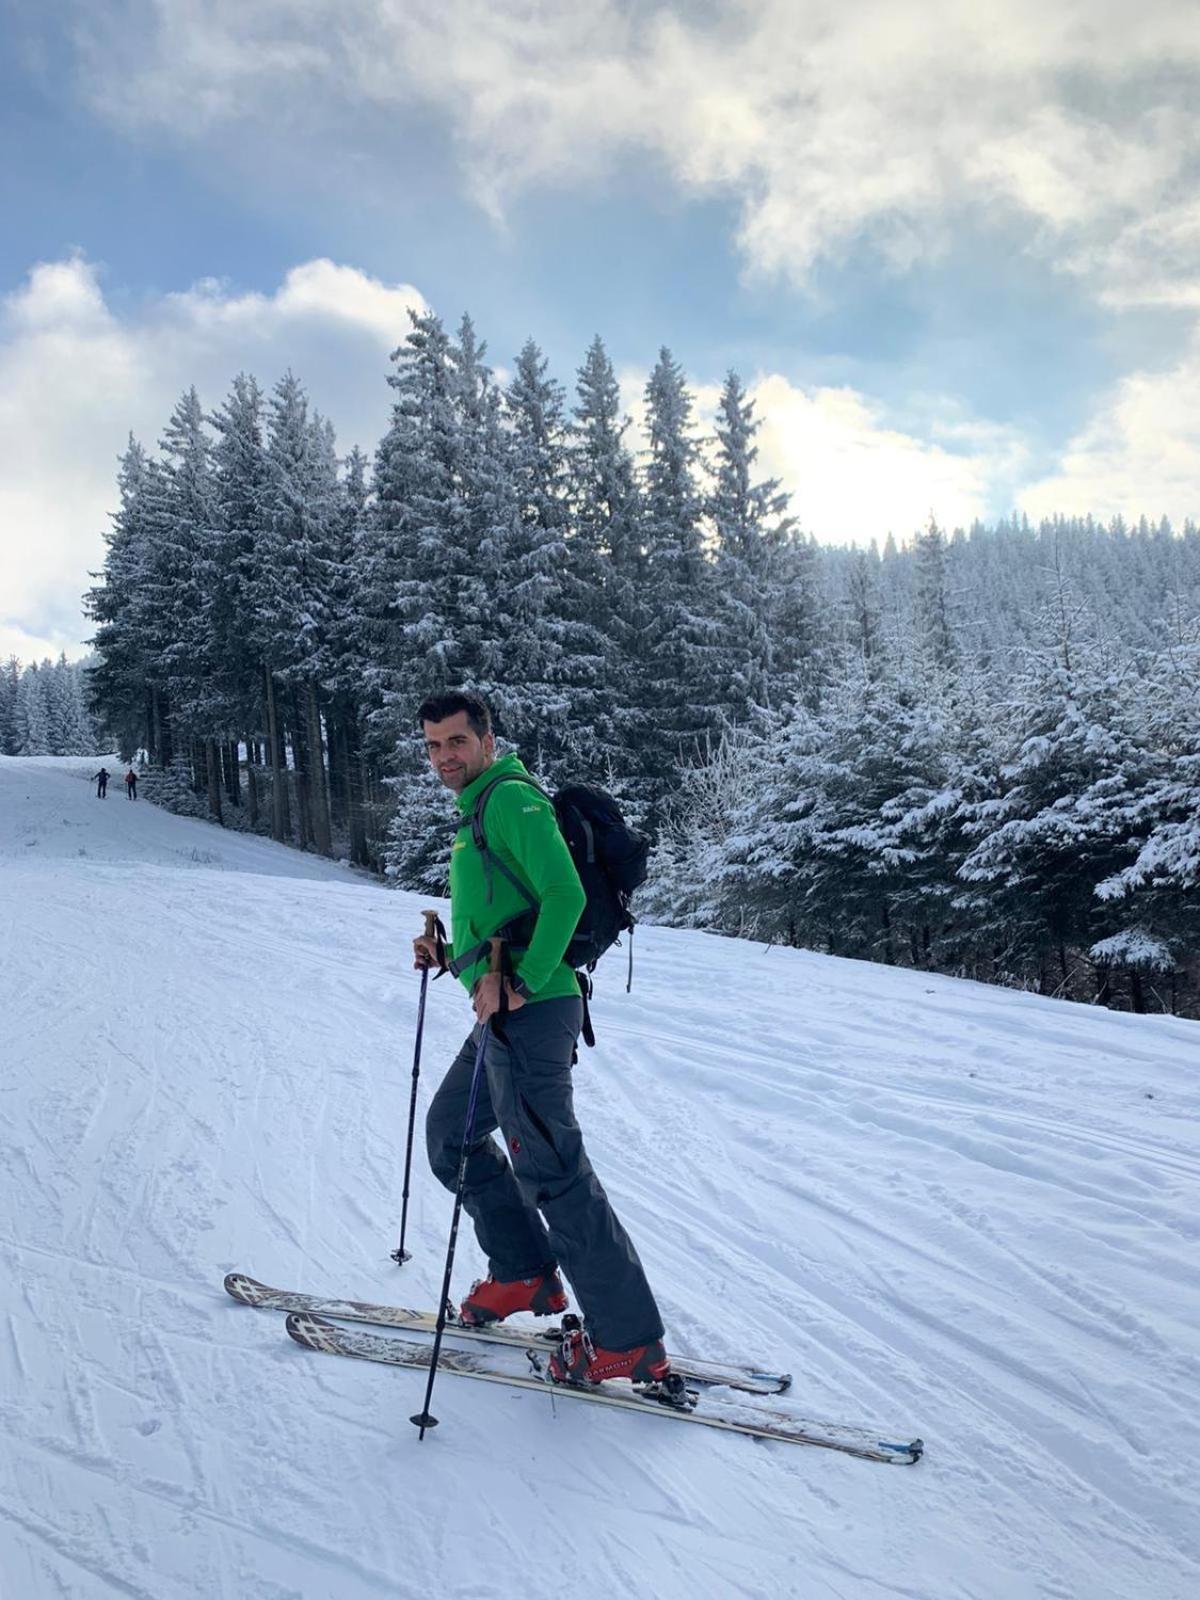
486 998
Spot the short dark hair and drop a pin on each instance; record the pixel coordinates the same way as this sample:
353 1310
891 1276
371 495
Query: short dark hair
440 706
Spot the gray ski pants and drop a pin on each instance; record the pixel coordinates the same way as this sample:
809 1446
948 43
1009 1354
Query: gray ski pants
543 1204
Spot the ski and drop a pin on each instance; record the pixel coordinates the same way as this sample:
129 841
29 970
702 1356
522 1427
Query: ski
314 1333
252 1293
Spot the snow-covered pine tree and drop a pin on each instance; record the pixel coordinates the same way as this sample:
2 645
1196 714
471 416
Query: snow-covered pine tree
348 654
678 686
411 573
33 720
410 570
127 688
290 595
73 734
57 696
565 670
771 844
751 527
10 684
512 482
862 636
606 570
241 478
1156 898
1054 831
175 584
876 876
694 880
935 634
797 611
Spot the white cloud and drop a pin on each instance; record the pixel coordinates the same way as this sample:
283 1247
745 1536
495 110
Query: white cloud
851 475
853 478
1139 455
830 124
75 380
316 292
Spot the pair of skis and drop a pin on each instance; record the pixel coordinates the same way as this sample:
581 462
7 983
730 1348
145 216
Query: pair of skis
308 1324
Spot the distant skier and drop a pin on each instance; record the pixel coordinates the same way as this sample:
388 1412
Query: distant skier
131 784
102 784
526 1090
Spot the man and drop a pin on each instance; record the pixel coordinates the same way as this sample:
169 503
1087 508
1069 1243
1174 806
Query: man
543 1205
131 784
101 782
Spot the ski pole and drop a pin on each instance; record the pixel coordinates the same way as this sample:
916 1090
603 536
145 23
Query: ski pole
424 1419
433 930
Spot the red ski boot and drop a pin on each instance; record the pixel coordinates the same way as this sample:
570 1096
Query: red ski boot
578 1360
490 1300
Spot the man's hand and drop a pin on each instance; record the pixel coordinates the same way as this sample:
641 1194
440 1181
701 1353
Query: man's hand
425 953
486 998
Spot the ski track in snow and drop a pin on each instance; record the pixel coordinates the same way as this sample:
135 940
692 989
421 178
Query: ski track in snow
947 1209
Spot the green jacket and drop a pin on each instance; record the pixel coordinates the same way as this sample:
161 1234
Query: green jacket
522 830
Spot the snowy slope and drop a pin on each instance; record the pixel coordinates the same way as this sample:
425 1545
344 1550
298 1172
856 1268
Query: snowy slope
946 1208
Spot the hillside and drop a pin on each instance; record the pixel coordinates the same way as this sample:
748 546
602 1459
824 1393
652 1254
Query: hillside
961 1211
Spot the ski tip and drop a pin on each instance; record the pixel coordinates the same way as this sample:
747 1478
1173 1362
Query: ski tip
240 1286
314 1333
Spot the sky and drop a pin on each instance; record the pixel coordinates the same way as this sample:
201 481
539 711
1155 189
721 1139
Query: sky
954 250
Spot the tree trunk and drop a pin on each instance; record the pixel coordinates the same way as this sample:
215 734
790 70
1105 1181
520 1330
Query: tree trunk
356 781
300 762
1104 986
233 768
273 739
889 952
163 747
316 776
353 770
212 768
252 787
1137 993
285 777
373 792
335 768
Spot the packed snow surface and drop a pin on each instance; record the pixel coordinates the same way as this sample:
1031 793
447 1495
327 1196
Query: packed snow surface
949 1210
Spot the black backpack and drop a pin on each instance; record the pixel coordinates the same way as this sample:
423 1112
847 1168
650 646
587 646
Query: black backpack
610 858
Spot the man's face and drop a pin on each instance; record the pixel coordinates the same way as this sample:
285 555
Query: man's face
456 752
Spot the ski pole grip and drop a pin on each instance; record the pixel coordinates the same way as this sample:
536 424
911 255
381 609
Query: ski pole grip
496 958
431 918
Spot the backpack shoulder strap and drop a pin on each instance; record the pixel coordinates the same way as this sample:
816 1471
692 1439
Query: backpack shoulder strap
485 794
479 837
469 957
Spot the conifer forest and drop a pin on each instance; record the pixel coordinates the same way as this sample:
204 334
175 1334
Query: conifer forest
974 751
